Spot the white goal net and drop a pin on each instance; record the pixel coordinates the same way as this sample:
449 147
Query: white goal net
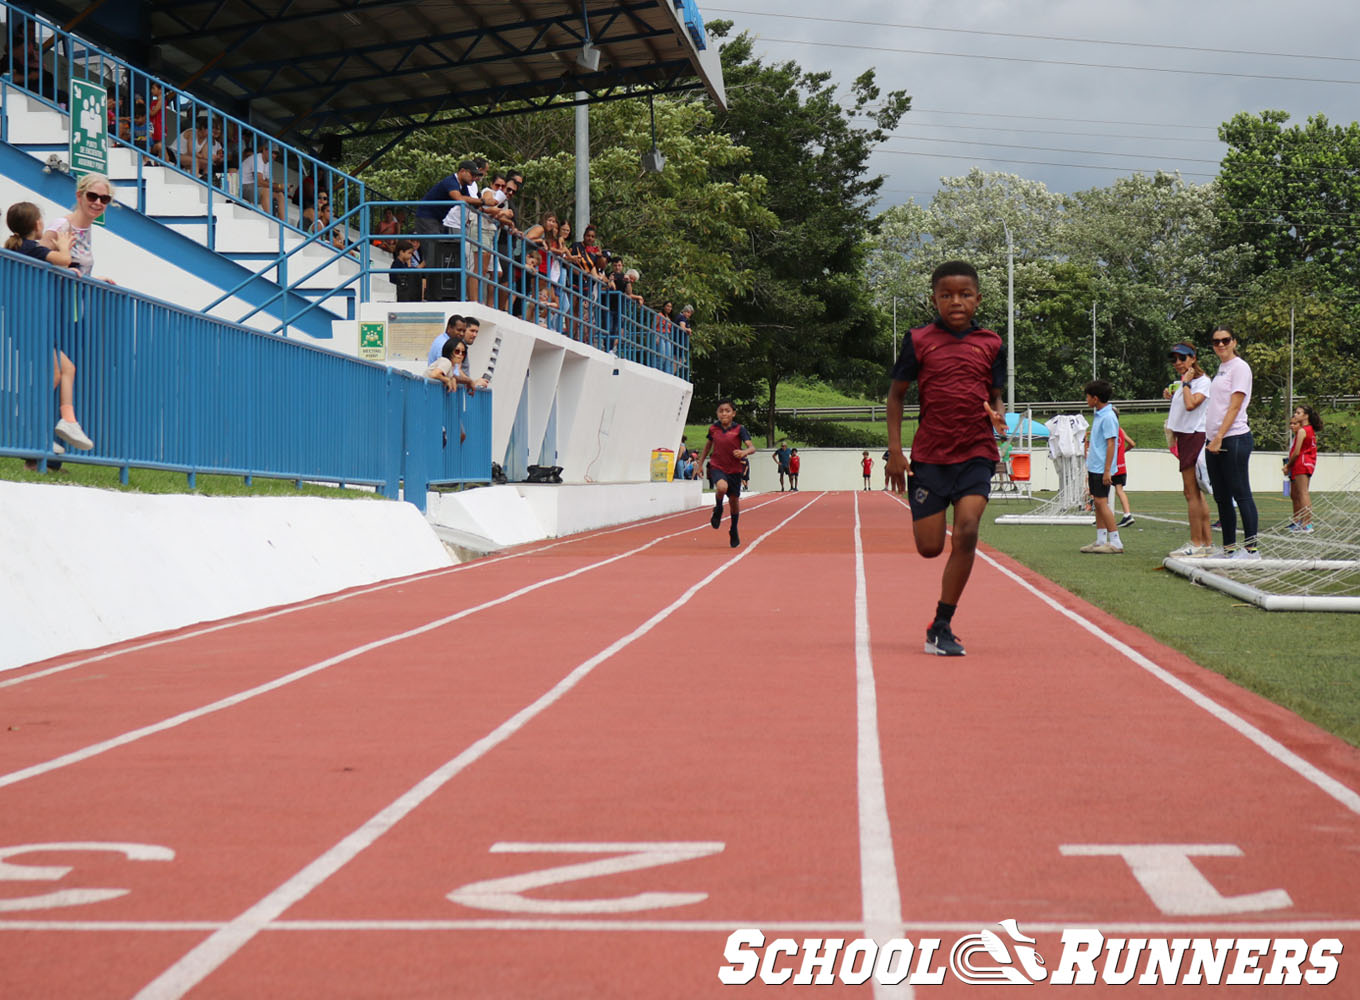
1297 571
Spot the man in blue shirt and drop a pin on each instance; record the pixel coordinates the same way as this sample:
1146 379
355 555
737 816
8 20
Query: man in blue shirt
1100 461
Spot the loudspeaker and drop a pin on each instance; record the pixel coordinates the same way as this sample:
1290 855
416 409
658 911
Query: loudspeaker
331 148
448 253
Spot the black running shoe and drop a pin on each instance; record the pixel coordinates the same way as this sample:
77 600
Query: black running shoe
733 538
940 641
1125 521
716 519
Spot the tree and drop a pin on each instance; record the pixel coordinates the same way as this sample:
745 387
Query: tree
968 220
807 309
1326 348
1164 269
1293 193
681 228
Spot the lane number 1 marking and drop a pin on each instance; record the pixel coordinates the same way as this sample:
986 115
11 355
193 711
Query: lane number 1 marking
507 894
1175 885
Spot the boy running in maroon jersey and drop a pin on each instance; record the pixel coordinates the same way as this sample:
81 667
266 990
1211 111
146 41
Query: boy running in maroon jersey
729 444
960 369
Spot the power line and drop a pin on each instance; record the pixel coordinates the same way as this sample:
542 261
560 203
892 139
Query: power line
1041 149
1040 38
1047 118
1049 131
1061 62
1040 163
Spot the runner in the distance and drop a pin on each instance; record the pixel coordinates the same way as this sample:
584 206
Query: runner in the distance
728 444
960 369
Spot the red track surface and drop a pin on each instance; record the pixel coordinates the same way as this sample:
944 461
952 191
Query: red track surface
634 687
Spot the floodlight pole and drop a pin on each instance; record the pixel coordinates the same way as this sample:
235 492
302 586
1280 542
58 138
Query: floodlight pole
1289 415
1093 341
1010 319
582 164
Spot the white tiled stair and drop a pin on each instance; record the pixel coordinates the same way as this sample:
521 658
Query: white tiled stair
181 204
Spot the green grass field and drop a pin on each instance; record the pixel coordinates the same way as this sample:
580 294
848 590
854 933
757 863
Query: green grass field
159 481
1306 662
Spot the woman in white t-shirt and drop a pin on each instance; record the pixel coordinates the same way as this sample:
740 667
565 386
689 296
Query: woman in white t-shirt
1230 445
1186 422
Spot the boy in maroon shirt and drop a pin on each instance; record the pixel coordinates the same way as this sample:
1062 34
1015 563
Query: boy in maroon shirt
729 444
960 369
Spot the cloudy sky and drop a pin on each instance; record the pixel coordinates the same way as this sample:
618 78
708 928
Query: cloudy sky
1069 92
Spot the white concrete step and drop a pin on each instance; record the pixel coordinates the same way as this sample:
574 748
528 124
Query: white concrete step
181 203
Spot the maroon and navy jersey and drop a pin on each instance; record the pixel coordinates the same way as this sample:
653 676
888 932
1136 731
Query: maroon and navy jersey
955 373
726 443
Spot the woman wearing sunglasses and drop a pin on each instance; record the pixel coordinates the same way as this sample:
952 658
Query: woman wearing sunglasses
1230 445
93 195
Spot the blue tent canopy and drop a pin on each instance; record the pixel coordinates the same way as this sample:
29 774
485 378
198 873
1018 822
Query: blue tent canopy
1018 427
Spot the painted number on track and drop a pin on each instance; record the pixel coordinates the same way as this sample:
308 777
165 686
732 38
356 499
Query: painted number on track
13 872
508 894
1175 885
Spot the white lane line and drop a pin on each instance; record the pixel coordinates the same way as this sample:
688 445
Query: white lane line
322 602
199 963
879 890
94 749
913 928
1273 747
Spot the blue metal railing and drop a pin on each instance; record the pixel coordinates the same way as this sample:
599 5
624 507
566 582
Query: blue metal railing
491 264
694 21
161 387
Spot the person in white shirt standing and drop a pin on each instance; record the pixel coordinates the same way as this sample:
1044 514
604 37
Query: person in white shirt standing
1187 422
1230 445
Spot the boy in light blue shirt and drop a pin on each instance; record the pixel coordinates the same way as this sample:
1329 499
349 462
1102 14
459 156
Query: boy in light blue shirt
1100 464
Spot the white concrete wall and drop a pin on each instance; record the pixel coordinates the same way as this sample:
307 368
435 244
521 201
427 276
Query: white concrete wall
611 413
494 517
86 567
1149 470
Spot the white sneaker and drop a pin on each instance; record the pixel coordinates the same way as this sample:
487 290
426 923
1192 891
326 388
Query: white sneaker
57 449
70 432
1188 549
1244 554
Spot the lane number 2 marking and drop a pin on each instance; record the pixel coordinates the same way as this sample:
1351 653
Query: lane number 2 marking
14 872
508 894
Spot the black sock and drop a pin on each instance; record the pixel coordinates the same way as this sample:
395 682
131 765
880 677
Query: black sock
733 515
944 613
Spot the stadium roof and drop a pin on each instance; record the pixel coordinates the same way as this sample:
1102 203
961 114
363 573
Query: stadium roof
374 66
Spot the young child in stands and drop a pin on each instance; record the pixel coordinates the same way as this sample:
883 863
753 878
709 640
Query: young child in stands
26 226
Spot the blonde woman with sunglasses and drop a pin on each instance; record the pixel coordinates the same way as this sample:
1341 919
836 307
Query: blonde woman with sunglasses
94 193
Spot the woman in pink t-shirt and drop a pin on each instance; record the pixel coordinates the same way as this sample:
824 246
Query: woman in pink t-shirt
1228 452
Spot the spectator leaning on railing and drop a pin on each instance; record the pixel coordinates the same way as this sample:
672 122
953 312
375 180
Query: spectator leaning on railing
434 208
25 223
453 330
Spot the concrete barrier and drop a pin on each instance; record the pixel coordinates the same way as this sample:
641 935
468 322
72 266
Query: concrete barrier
86 567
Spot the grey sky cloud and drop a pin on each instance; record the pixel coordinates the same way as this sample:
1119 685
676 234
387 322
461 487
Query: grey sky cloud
1072 114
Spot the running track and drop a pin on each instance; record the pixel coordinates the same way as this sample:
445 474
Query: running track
355 797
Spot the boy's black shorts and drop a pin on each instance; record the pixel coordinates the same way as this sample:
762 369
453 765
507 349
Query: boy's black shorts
932 488
733 481
1095 482
1119 479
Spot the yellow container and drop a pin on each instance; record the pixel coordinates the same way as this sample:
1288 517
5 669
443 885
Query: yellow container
663 465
